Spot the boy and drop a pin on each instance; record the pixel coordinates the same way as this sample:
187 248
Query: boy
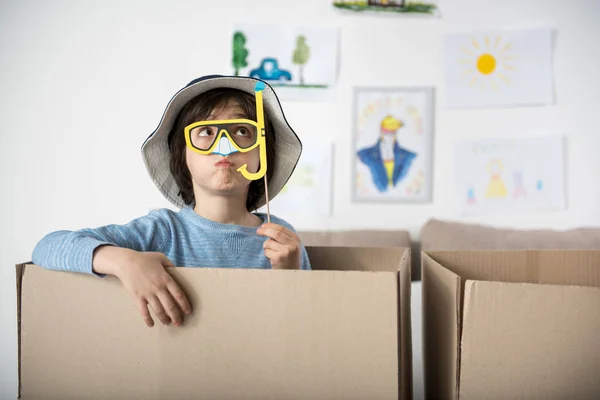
207 155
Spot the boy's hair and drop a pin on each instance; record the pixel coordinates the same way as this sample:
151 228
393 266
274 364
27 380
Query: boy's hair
198 109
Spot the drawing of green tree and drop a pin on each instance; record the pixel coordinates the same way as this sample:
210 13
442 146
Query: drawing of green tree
301 55
240 53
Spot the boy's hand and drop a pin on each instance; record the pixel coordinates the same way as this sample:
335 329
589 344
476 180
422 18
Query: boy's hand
283 248
144 276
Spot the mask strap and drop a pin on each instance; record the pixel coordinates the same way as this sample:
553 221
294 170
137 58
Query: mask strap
267 200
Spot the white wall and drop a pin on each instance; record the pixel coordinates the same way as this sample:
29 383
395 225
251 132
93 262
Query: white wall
83 83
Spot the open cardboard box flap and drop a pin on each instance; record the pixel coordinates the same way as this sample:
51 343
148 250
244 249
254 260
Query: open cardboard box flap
511 324
340 331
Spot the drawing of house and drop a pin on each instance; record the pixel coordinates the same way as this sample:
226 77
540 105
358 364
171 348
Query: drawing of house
398 6
387 3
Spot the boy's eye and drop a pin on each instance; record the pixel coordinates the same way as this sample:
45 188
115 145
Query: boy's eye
205 132
242 132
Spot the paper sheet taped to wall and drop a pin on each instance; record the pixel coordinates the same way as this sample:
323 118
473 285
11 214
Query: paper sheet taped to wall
501 68
510 174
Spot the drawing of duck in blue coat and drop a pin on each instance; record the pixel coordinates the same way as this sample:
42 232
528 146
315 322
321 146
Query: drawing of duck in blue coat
389 163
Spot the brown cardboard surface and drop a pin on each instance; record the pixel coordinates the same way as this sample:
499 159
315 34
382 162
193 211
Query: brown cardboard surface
377 259
562 267
19 275
253 334
404 278
530 324
358 258
441 318
519 338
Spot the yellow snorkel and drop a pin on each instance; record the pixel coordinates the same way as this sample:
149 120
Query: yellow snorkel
261 140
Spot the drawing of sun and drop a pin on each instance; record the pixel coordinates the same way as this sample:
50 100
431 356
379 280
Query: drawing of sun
488 63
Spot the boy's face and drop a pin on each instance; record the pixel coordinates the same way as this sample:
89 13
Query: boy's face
217 174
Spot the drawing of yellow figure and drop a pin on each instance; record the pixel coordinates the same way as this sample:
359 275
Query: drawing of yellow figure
496 187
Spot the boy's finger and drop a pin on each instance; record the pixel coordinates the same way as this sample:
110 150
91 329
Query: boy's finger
271 255
273 245
143 307
166 262
280 228
275 234
170 306
179 297
158 310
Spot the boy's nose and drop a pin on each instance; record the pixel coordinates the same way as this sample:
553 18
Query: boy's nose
224 147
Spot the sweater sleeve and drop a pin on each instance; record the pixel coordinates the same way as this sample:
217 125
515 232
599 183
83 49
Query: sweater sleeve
73 251
305 262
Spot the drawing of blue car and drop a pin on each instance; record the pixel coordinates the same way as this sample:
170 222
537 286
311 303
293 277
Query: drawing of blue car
269 71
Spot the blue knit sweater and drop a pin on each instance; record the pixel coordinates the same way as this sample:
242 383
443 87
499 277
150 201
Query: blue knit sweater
186 238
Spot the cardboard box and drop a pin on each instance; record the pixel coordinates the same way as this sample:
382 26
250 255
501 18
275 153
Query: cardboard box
511 324
341 331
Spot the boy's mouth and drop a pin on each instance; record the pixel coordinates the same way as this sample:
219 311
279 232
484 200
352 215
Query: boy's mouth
224 163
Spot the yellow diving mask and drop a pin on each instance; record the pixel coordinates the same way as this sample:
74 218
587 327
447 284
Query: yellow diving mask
224 137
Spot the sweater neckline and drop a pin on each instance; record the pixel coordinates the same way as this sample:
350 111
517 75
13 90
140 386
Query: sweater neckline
190 215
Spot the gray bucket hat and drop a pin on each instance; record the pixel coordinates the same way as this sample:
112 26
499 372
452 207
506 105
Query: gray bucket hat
157 156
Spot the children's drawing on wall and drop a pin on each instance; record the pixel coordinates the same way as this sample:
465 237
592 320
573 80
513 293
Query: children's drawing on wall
496 187
388 162
393 134
308 191
390 6
499 68
519 190
471 195
510 174
300 62
240 52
